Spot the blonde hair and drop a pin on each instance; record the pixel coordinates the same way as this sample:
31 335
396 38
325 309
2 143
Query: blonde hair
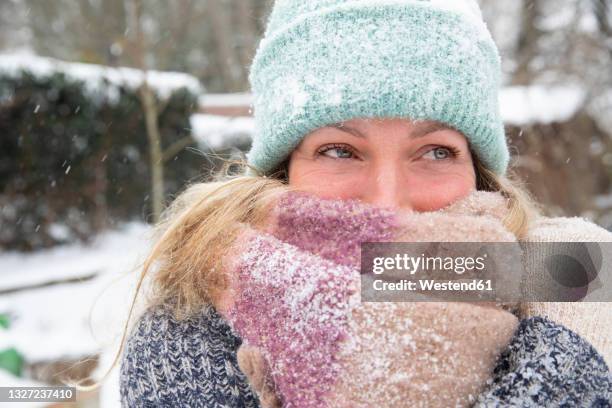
184 264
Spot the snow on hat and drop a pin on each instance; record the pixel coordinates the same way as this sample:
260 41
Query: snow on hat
328 61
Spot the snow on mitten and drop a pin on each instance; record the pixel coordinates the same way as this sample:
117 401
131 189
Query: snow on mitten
293 306
301 308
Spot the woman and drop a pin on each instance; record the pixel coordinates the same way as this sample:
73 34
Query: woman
393 104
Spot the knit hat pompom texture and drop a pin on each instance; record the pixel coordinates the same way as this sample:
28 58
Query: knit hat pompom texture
328 61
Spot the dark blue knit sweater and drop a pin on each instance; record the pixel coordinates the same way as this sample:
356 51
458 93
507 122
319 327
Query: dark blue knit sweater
193 363
190 363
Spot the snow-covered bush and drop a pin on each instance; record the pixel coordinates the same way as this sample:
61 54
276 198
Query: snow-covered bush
74 149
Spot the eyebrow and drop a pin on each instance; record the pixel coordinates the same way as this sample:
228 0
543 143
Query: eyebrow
421 129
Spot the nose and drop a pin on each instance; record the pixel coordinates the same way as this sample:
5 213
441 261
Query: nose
385 187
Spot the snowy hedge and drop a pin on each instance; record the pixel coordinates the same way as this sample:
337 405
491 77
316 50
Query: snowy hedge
74 150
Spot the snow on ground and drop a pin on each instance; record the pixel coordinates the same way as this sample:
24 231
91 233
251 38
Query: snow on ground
73 320
70 261
99 80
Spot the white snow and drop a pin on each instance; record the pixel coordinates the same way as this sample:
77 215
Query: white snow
214 132
226 100
73 320
539 104
588 23
108 252
557 20
298 95
94 76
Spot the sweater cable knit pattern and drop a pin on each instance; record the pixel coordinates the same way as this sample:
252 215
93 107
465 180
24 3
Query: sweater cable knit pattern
190 363
548 365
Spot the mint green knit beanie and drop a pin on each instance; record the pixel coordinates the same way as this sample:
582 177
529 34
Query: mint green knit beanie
328 61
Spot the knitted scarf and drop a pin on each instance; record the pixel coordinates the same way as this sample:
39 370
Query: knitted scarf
295 300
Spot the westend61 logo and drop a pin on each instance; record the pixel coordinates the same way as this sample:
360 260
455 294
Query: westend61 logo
486 271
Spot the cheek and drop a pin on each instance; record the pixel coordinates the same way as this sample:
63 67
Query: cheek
434 194
326 184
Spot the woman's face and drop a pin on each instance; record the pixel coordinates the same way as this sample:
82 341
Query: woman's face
415 165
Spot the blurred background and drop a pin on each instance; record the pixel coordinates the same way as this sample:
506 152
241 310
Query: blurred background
108 108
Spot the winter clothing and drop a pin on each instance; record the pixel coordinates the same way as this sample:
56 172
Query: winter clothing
592 320
193 363
327 61
298 299
548 365
188 364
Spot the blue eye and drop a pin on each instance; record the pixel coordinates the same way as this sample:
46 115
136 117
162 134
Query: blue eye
442 153
345 151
